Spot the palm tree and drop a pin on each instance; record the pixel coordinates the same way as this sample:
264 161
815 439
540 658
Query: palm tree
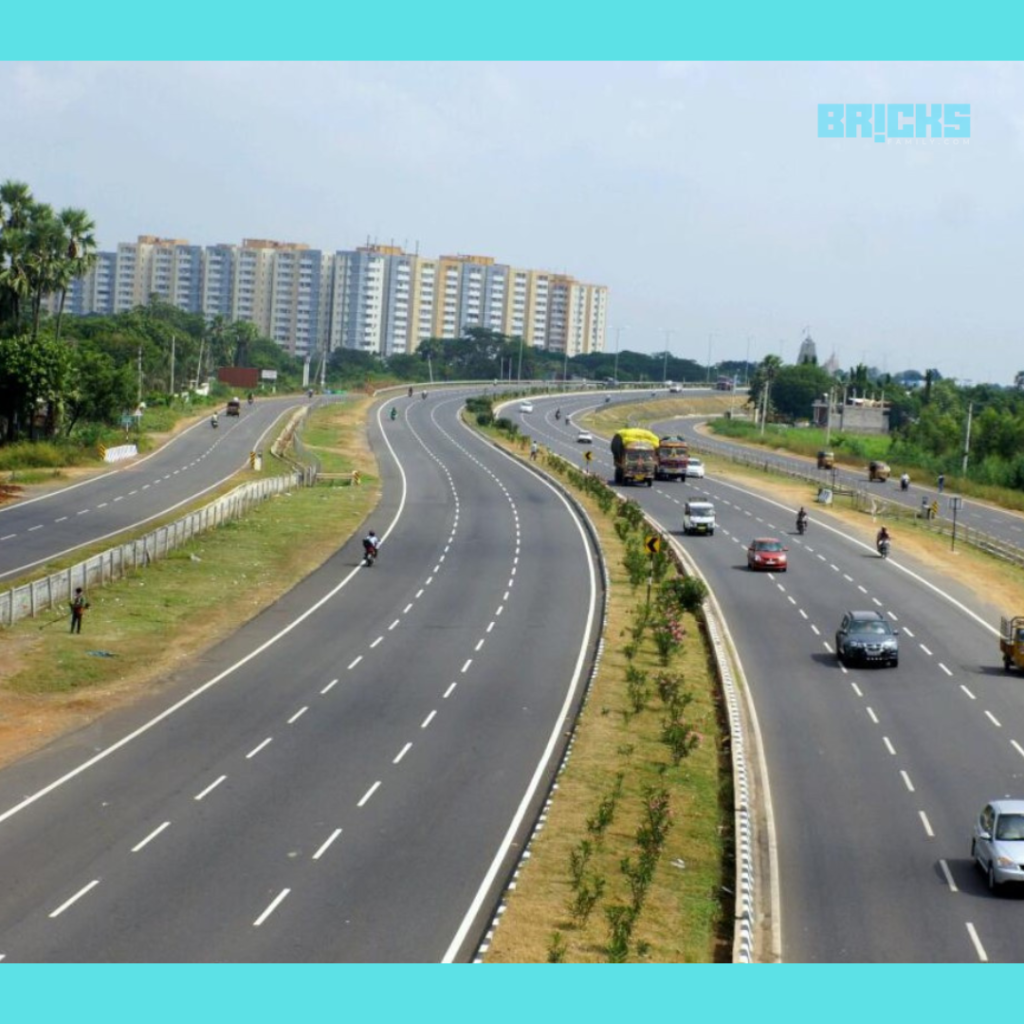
15 205
80 255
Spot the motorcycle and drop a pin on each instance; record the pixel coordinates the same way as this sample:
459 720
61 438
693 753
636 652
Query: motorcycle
394 414
558 414
424 394
801 525
904 483
213 421
883 547
369 554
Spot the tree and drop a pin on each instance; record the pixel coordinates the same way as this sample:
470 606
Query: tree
80 254
796 388
35 378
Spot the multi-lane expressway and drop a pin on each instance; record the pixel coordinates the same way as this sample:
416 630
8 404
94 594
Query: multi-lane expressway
348 777
876 775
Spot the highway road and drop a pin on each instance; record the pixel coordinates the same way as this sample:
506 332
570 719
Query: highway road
998 523
131 494
346 778
876 775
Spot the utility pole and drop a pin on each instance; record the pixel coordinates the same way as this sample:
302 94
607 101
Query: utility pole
519 374
615 374
139 402
746 364
172 368
664 372
967 439
710 337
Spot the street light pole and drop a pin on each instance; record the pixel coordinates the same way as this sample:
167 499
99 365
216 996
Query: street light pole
615 374
519 375
664 372
710 337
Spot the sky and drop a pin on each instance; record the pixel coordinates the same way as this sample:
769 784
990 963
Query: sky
698 192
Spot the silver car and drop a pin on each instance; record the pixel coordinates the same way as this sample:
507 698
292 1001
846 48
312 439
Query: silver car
997 845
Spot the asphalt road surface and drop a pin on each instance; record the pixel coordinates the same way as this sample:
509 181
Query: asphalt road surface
132 494
876 775
348 777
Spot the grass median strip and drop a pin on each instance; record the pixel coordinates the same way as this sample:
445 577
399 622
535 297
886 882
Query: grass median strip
138 630
633 859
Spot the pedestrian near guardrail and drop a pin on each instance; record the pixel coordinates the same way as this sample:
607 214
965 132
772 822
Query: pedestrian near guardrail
78 606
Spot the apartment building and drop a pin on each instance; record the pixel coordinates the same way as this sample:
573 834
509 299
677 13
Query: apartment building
375 298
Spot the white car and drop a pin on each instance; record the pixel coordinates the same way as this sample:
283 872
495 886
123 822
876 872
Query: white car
695 468
526 406
699 517
584 437
675 389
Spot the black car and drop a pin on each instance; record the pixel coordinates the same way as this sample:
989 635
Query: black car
867 638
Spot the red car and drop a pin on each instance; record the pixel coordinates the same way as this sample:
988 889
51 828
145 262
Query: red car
767 553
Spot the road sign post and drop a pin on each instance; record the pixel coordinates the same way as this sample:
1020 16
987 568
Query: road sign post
955 504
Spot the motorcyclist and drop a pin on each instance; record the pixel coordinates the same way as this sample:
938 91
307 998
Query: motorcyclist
370 544
424 394
801 519
250 399
882 538
213 420
394 412
905 482
558 414
410 392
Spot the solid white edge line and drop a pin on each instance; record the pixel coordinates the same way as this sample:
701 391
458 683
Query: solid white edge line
152 835
273 906
327 842
978 947
553 739
255 653
78 895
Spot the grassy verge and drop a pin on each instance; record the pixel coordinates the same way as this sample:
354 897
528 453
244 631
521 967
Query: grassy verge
146 625
593 888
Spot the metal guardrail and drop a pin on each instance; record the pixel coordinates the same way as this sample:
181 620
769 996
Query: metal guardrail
52 591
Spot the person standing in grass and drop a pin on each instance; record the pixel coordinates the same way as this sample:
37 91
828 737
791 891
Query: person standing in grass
78 606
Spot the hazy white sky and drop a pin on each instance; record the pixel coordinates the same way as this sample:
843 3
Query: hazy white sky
699 193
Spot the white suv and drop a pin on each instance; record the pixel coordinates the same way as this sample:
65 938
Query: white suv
699 517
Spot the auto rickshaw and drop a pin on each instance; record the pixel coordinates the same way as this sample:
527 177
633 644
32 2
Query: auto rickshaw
1011 641
826 459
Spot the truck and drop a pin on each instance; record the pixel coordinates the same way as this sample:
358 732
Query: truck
635 452
673 457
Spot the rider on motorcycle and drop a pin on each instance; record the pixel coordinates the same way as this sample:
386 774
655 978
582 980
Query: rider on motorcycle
370 544
394 412
882 538
558 414
905 482
213 420
801 520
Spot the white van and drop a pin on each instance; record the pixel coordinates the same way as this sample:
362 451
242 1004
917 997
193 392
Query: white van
699 517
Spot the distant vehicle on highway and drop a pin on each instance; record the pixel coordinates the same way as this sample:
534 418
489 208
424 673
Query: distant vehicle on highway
695 468
234 407
767 553
997 845
878 470
826 459
867 638
584 437
526 406
699 517
675 389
